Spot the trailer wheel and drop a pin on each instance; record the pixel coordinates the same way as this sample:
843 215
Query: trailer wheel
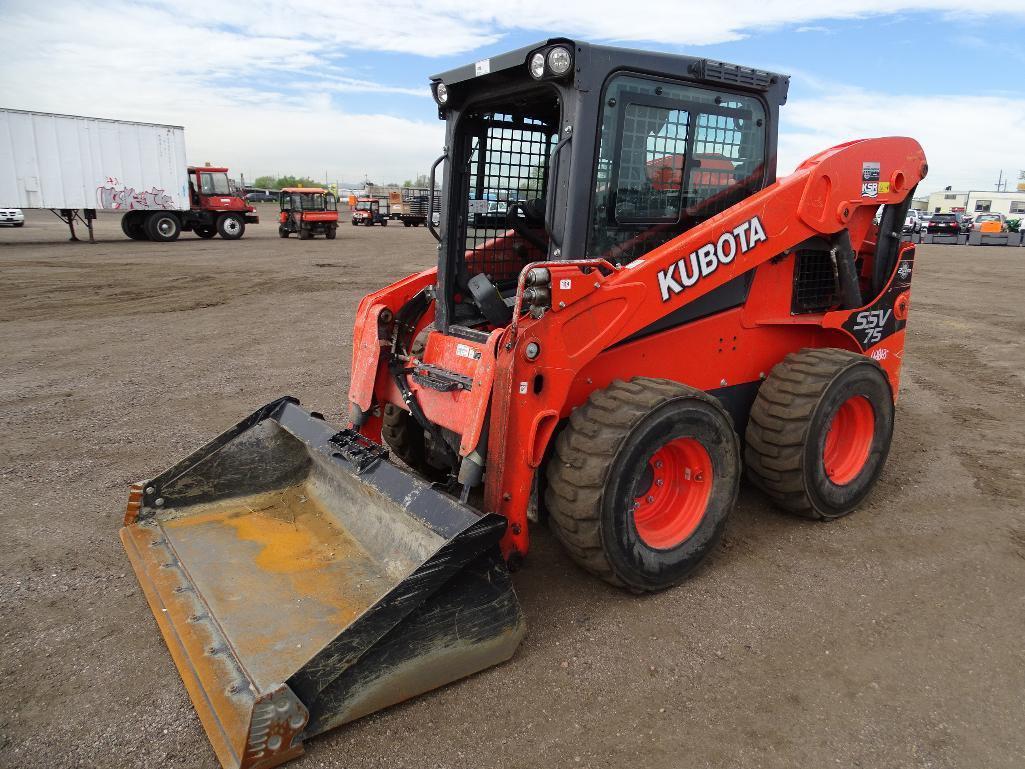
231 226
133 225
406 224
820 431
641 482
205 231
163 226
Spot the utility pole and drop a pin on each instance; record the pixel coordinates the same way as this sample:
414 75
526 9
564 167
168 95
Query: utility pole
1001 184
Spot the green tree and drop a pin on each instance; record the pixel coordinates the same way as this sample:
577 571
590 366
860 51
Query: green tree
270 183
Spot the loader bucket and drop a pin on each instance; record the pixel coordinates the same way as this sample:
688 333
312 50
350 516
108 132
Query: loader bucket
301 581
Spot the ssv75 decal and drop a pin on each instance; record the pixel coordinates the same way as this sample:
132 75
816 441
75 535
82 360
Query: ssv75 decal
706 260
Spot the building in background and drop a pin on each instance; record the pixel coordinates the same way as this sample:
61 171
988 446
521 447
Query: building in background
1010 203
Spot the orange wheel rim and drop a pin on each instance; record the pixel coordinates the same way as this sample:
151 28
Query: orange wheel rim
849 440
677 484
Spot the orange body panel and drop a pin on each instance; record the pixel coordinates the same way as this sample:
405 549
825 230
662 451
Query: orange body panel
587 339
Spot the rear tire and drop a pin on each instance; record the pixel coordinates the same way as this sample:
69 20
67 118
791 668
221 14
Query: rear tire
820 432
163 227
133 225
330 233
282 232
641 482
205 231
231 226
304 233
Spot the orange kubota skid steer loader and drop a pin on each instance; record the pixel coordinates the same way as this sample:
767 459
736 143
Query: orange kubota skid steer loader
629 311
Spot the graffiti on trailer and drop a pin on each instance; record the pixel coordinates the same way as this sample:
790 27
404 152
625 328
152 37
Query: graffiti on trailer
114 194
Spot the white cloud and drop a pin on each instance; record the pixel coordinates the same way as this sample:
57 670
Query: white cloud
275 86
966 138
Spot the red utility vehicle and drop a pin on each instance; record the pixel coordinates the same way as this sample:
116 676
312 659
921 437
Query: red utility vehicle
307 211
217 208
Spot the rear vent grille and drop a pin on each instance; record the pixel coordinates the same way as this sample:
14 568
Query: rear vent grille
815 282
732 74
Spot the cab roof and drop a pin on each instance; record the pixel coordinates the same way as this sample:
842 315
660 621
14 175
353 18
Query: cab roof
592 64
311 190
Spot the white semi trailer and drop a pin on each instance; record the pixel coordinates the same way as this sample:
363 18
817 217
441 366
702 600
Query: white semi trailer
76 166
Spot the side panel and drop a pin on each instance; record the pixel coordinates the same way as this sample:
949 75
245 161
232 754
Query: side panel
64 161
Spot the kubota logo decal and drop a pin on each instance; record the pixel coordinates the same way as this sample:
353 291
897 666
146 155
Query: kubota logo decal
706 260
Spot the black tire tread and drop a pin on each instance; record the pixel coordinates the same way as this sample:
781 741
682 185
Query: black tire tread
779 421
584 454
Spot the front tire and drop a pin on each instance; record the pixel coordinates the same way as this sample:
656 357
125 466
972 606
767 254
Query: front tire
163 227
231 226
642 480
820 431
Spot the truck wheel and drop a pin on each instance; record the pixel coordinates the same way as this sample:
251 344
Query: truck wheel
642 480
282 232
820 431
205 231
330 233
133 225
163 226
231 226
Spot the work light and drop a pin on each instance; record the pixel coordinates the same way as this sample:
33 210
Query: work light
441 93
559 60
537 66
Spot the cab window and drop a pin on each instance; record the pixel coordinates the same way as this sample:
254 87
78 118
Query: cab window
214 184
670 156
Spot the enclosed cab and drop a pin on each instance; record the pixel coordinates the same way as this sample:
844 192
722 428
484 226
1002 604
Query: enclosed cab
370 211
307 211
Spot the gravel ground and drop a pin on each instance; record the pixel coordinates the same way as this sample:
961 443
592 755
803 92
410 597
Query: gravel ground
891 638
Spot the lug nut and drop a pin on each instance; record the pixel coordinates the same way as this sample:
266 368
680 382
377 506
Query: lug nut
532 350
650 500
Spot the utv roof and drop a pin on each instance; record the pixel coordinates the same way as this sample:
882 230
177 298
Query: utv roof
593 62
311 190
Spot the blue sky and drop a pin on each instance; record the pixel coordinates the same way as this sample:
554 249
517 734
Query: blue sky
305 87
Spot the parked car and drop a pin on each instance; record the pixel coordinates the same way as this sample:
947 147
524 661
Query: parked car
913 222
12 217
262 196
945 224
996 223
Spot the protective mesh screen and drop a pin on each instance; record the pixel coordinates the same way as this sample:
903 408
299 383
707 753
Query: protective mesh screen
507 164
815 281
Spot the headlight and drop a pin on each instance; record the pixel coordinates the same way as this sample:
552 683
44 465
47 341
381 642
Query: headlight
559 60
537 66
441 93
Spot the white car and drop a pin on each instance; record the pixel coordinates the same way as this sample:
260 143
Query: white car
12 217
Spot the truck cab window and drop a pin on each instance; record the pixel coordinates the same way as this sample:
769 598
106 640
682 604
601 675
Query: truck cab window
670 156
214 184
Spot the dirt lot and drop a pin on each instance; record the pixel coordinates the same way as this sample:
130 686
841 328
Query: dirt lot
892 638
